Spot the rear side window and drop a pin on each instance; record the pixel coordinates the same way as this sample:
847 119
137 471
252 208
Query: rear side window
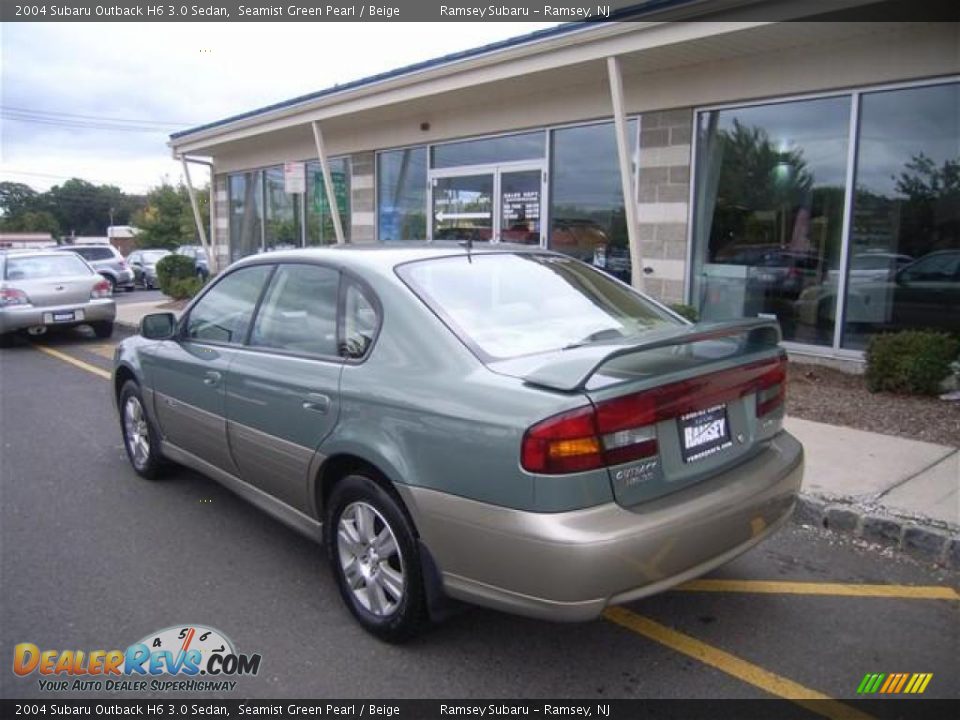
299 311
223 314
45 266
360 321
507 305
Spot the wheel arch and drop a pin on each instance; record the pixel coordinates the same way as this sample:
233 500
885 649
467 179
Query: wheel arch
120 377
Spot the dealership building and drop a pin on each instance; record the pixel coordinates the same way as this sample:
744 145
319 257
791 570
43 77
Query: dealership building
804 170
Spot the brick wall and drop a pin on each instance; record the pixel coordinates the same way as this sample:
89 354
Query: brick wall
664 196
220 232
362 202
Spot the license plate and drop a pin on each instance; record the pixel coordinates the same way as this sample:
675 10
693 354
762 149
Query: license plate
62 316
704 432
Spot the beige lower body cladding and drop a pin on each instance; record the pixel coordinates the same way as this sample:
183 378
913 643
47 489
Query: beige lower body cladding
663 200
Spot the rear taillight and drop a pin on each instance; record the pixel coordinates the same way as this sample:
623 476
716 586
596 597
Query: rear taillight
772 389
13 296
623 429
101 289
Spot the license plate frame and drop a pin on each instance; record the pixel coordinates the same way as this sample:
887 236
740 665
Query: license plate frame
62 316
704 433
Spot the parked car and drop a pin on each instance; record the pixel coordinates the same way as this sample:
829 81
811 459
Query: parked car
199 257
144 265
107 261
872 266
40 289
922 294
502 425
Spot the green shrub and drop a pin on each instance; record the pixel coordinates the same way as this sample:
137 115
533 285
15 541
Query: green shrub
185 288
687 311
912 361
173 268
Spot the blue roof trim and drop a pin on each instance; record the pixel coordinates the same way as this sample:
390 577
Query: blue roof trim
633 12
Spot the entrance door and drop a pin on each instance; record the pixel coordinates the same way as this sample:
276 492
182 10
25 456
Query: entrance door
463 207
489 203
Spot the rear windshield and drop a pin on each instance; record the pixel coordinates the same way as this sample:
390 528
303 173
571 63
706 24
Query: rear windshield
154 255
508 305
45 266
93 253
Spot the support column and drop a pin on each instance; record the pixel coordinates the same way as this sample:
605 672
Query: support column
211 256
328 182
626 176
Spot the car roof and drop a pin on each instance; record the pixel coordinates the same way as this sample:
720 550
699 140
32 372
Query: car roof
389 255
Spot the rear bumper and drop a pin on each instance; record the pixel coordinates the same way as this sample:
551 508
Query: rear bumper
570 566
21 318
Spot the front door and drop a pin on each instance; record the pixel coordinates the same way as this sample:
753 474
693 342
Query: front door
489 203
188 373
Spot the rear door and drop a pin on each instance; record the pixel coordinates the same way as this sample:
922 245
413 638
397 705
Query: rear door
282 396
189 373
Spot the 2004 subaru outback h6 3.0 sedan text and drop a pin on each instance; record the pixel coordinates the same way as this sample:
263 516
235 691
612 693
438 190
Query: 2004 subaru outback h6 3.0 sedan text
505 426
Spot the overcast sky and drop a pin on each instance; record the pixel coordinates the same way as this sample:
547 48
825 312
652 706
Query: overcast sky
56 76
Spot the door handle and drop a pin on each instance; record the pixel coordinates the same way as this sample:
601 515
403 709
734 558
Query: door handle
316 402
211 378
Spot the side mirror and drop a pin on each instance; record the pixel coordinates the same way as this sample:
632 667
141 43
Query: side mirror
158 326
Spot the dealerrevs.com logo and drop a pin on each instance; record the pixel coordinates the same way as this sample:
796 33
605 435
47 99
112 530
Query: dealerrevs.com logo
181 658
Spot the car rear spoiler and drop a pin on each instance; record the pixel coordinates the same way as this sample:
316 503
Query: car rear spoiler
570 370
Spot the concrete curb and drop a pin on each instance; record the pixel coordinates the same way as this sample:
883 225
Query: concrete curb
919 537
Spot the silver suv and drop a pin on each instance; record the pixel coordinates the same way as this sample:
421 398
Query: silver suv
107 261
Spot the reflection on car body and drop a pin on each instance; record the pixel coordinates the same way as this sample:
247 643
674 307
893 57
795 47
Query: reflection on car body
496 424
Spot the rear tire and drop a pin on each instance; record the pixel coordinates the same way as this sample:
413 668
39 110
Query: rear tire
113 284
131 288
102 329
140 440
375 559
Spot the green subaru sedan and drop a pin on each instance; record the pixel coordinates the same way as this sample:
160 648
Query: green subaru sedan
501 425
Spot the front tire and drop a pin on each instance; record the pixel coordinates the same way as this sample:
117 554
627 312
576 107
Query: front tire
374 557
139 438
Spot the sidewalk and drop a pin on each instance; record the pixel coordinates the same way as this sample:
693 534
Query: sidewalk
129 314
884 489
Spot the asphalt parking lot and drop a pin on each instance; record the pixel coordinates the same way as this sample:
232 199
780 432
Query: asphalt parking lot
94 557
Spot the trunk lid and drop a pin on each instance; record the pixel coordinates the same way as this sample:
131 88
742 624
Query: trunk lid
703 397
50 292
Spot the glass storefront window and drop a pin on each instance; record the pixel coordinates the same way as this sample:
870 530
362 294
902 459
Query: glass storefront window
246 214
402 194
319 220
905 237
485 151
769 203
587 215
282 226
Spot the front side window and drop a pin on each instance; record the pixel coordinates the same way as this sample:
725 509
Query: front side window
507 305
223 314
770 192
299 311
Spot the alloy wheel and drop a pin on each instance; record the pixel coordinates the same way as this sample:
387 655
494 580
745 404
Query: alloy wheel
370 559
136 431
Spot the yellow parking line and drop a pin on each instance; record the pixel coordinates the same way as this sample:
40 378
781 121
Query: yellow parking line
73 361
743 670
910 592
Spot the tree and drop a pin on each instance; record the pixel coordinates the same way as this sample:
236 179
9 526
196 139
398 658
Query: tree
16 198
167 220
